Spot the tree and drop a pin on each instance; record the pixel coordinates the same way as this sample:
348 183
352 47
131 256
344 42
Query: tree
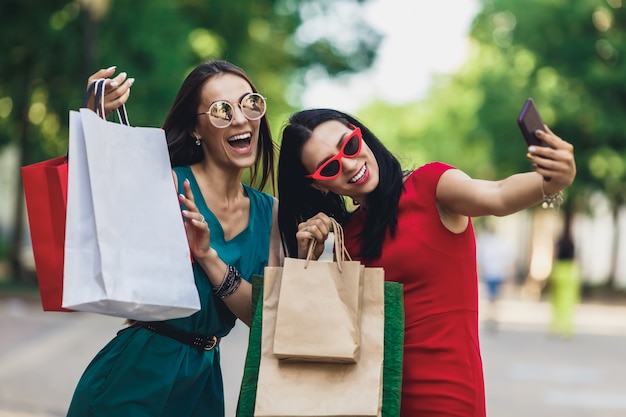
570 56
50 48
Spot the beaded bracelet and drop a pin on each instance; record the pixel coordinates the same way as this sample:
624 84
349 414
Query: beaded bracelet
230 283
229 291
224 284
553 201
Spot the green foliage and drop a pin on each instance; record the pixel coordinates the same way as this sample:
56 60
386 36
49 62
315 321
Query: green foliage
40 58
569 56
50 48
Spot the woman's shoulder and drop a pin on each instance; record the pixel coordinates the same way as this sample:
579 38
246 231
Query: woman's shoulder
429 172
259 197
434 167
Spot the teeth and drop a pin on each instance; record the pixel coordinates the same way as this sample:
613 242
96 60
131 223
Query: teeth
359 175
239 137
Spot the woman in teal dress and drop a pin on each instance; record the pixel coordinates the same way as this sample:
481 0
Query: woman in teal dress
216 130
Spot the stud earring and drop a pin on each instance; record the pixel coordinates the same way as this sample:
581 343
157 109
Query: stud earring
198 141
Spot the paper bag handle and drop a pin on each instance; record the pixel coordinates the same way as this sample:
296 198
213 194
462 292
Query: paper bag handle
97 89
341 253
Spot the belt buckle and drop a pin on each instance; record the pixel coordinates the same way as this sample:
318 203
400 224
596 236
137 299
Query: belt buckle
211 343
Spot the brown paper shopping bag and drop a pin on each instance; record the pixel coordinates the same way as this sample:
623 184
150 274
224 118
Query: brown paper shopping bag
308 389
317 316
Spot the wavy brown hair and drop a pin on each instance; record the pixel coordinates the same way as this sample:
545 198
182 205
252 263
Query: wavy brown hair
182 119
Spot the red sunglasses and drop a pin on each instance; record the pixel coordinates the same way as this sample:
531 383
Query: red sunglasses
331 169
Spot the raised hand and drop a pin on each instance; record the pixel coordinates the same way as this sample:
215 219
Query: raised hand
555 161
198 233
116 90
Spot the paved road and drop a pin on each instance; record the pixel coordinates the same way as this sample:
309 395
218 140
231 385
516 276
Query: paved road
527 371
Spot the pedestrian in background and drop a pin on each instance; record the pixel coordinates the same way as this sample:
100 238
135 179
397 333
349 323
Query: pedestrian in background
564 288
496 264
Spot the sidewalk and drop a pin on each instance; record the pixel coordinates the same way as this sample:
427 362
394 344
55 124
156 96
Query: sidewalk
42 354
519 313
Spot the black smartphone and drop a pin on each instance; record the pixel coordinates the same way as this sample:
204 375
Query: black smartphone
529 121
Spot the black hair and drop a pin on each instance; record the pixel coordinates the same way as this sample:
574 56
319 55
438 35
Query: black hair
182 119
299 200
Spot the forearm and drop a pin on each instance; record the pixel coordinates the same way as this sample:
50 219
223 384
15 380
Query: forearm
522 191
235 291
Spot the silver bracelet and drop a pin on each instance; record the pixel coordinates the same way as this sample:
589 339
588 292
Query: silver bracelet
217 288
553 201
230 283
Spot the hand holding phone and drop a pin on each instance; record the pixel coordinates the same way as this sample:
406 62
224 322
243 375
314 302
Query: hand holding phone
529 121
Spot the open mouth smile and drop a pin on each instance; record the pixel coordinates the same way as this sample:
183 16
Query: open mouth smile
360 175
240 141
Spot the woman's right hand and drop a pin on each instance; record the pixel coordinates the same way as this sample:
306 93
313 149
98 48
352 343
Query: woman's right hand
317 227
116 90
196 227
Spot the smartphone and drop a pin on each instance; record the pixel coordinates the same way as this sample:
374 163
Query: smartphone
529 121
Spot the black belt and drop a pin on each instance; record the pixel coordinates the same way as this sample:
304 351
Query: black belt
200 342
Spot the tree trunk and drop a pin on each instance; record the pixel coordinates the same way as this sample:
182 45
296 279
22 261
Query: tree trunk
610 284
17 270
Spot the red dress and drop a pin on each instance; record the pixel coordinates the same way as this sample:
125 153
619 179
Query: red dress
442 373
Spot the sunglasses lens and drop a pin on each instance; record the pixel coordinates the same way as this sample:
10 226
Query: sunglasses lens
253 106
330 169
221 113
352 147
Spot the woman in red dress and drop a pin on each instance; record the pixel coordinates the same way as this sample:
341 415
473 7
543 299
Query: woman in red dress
417 226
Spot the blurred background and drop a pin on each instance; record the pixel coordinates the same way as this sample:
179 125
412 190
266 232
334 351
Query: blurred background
434 80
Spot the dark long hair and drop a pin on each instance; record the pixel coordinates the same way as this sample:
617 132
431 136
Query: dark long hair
300 201
182 118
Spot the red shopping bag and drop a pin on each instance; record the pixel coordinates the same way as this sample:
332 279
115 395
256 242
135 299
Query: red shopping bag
45 191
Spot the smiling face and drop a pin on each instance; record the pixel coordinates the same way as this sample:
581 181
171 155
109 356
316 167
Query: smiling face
358 174
237 144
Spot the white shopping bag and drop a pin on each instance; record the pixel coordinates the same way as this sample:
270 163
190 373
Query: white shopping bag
126 251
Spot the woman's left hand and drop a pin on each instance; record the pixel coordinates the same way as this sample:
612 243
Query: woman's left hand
316 228
116 89
196 227
554 162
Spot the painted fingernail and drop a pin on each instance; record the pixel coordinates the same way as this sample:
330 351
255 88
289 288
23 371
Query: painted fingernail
532 149
186 180
181 196
114 84
539 132
529 156
131 81
185 212
123 75
111 68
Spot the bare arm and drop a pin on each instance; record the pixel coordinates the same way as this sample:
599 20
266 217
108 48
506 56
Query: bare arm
199 239
276 255
460 195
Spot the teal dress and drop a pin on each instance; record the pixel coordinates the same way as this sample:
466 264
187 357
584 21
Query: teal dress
141 373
